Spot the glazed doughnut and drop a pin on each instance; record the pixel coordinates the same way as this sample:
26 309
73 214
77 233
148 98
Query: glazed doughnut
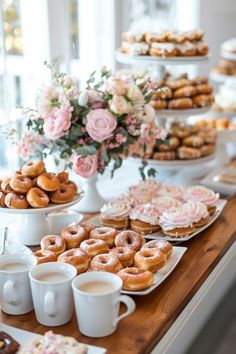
21 184
177 84
203 100
159 104
130 239
72 185
63 177
194 141
204 89
124 254
5 185
2 200
33 168
48 182
107 234
16 201
168 155
186 91
163 245
74 235
64 194
76 257
180 103
199 80
8 344
94 247
170 144
185 153
106 263
150 259
44 256
37 198
53 243
87 226
135 279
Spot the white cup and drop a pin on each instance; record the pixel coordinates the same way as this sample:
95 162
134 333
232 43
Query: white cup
15 292
98 313
53 299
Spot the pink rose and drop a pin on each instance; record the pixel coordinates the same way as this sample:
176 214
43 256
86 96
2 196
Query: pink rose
57 124
119 105
85 166
100 124
116 86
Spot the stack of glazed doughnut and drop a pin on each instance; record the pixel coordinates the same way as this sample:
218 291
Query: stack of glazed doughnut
91 248
34 187
183 93
164 44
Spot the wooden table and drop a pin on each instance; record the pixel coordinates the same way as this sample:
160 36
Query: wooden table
157 312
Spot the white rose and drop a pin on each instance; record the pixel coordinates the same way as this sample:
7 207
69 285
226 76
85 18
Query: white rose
116 86
135 95
149 113
83 98
119 105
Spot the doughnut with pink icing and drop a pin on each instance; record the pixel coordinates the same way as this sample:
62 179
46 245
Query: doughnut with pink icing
171 191
202 194
164 203
145 218
115 215
175 222
198 212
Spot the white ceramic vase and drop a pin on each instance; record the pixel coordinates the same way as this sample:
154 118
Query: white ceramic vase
92 200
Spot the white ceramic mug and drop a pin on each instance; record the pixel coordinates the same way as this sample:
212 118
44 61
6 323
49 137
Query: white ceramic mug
98 313
53 299
15 292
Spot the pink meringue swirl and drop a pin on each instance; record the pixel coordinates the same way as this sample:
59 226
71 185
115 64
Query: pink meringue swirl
125 198
196 210
148 213
175 217
164 203
141 194
171 191
202 194
115 210
150 183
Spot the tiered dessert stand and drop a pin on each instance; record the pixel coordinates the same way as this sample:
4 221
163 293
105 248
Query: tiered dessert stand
28 226
164 117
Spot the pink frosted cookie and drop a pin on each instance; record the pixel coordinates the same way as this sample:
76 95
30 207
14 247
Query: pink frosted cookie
115 215
145 218
171 191
198 212
202 194
164 203
175 222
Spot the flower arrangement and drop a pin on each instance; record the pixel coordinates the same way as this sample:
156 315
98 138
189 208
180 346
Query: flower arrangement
92 127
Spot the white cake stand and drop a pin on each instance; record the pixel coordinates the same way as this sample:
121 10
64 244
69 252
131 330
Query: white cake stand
29 225
181 113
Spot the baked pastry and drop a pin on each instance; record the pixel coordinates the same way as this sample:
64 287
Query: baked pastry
8 345
53 243
162 156
106 263
93 247
164 50
175 222
129 239
76 257
204 195
229 46
207 149
198 211
171 191
135 279
203 100
145 218
124 254
115 215
165 202
151 259
225 99
142 194
74 235
186 91
163 245
193 141
169 144
186 49
159 104
54 343
186 153
180 103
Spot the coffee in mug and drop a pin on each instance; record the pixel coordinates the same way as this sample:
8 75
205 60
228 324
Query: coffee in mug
52 277
97 287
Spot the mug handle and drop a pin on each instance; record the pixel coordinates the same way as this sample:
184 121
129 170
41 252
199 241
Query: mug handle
50 304
130 304
9 295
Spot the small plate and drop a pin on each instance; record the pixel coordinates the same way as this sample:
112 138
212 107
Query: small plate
13 247
218 186
22 337
163 273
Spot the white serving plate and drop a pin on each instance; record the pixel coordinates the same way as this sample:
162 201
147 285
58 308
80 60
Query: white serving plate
163 273
174 164
159 235
222 188
50 208
181 113
23 337
226 55
147 59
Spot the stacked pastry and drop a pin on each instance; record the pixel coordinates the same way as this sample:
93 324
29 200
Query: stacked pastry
174 210
225 67
34 187
164 44
91 248
183 93
218 124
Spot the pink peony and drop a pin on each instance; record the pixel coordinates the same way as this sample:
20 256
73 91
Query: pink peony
85 166
57 124
116 86
119 105
100 124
